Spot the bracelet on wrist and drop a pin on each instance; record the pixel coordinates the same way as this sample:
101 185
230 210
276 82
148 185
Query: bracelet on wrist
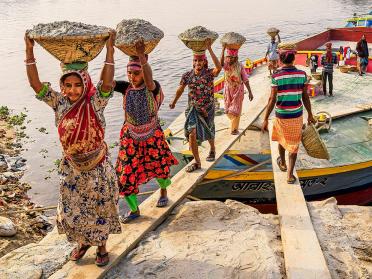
144 64
30 60
109 63
31 63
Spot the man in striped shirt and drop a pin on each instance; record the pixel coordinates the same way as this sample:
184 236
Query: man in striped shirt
288 96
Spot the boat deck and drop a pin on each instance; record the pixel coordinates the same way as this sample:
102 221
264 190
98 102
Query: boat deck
336 45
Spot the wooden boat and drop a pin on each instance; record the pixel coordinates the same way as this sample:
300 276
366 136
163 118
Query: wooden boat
245 171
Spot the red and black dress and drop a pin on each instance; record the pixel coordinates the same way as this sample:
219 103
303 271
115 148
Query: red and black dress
144 153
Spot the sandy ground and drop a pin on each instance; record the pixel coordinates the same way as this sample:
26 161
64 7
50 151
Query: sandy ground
208 239
211 239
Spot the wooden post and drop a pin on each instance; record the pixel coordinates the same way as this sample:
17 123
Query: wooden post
303 256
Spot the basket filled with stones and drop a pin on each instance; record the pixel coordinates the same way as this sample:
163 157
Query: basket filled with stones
233 40
130 31
195 38
70 42
272 32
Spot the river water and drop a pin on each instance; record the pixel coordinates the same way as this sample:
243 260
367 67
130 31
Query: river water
295 19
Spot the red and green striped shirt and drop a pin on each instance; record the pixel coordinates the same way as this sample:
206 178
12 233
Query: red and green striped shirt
290 83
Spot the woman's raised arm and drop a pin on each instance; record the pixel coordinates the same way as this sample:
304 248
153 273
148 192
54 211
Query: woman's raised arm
31 69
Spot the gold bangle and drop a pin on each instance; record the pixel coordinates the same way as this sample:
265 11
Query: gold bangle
144 64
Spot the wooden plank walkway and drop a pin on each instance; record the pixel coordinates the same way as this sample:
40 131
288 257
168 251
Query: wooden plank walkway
182 184
303 256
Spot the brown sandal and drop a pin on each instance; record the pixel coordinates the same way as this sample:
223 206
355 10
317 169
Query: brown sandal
193 167
102 259
211 156
280 165
78 252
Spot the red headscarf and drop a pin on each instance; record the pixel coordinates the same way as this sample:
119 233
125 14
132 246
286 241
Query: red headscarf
80 131
328 52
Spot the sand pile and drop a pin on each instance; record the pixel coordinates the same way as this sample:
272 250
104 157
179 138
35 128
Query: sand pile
208 239
198 33
233 38
345 235
131 30
66 28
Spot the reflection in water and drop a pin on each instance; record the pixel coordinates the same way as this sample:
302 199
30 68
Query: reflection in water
295 19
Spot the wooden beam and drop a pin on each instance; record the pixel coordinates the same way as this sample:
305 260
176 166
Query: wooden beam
303 255
182 184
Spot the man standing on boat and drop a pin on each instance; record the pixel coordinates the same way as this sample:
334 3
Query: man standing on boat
363 54
288 97
272 54
328 60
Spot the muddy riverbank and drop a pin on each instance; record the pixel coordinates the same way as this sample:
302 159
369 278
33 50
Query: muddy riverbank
22 227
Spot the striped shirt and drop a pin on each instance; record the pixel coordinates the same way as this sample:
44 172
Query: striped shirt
290 83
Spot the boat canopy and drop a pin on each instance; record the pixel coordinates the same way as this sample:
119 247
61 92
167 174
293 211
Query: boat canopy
364 21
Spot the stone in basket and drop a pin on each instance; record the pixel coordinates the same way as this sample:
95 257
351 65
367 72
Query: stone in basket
272 32
233 40
128 32
313 143
194 38
70 41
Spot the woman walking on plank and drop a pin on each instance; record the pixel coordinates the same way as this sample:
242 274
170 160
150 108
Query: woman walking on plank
144 153
235 79
87 209
288 95
199 124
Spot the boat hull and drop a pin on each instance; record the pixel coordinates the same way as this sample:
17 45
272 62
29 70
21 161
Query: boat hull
316 184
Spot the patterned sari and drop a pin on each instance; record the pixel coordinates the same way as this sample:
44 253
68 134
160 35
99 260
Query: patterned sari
87 209
80 132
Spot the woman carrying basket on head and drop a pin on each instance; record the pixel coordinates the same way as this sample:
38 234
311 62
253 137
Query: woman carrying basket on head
235 79
288 95
87 209
199 124
144 153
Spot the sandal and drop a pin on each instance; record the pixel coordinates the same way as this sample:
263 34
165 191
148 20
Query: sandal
235 132
280 165
292 180
193 167
78 252
162 202
102 259
211 156
129 217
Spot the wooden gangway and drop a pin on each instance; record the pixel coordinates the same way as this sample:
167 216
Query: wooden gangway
182 184
303 255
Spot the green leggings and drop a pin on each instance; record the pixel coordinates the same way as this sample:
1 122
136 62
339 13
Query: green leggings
132 200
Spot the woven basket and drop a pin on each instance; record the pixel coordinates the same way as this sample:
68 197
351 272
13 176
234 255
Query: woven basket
196 45
234 46
353 68
313 144
131 49
68 49
344 69
317 76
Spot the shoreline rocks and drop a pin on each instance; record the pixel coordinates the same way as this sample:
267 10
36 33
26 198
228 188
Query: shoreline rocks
18 229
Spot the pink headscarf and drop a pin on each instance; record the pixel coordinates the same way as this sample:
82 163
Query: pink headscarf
232 52
134 63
